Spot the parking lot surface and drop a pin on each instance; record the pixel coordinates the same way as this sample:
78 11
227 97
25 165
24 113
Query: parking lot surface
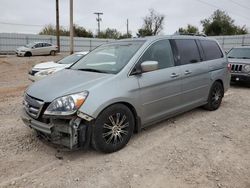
195 149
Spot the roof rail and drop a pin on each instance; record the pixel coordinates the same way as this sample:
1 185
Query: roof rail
194 34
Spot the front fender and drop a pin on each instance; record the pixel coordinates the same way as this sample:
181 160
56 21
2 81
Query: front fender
95 109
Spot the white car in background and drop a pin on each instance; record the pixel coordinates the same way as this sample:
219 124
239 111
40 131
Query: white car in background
42 70
37 48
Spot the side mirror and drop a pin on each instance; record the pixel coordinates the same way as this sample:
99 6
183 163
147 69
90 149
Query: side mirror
148 66
33 47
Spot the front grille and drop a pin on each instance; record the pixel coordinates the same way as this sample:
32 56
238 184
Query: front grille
236 68
33 106
33 72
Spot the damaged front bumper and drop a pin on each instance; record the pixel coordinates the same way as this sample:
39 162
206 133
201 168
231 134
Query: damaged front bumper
72 133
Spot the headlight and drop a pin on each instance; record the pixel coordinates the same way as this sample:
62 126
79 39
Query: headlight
247 68
45 72
66 105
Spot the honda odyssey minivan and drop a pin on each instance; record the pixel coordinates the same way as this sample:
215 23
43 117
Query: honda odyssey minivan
123 86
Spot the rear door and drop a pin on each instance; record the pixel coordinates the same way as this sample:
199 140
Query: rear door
160 90
194 72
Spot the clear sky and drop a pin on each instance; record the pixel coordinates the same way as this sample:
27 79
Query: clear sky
178 13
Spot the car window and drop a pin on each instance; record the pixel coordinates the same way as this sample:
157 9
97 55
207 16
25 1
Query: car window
46 45
38 45
188 51
161 52
239 53
109 58
211 49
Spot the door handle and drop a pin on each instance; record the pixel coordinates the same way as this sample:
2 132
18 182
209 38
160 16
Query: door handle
174 75
187 72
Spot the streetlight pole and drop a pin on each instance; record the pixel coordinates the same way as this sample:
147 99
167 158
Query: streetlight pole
98 19
71 27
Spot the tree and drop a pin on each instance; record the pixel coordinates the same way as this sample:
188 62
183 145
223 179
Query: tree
109 33
153 24
190 29
125 35
78 31
51 30
82 32
220 23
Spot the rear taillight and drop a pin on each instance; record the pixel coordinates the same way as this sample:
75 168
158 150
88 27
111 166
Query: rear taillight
229 67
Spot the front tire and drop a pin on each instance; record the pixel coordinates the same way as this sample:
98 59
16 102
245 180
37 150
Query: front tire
113 128
28 54
215 96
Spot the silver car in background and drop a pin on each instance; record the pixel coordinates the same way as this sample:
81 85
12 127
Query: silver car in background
121 87
37 48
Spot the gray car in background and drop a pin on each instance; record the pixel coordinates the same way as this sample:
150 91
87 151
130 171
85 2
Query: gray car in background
121 87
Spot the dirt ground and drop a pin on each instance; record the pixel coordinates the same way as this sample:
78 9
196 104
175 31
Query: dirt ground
195 149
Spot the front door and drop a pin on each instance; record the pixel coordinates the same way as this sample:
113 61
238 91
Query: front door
160 90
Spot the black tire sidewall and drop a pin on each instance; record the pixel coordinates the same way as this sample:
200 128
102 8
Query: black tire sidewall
98 141
211 106
53 53
28 54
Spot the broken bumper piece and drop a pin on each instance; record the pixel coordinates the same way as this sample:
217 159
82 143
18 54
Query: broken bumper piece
70 133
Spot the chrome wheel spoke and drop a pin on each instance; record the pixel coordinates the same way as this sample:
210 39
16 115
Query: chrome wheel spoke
123 119
117 118
107 134
119 136
107 126
124 132
111 119
110 138
124 125
115 139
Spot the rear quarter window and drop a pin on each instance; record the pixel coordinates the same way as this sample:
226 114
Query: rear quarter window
211 49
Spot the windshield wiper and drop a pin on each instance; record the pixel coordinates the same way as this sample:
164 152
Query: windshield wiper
92 70
245 58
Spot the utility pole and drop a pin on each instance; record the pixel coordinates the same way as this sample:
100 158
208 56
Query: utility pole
127 29
98 19
57 25
71 27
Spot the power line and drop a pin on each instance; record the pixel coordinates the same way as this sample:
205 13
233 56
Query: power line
21 24
241 5
217 7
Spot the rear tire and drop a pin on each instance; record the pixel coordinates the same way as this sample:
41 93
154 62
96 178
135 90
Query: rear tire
53 53
215 96
113 128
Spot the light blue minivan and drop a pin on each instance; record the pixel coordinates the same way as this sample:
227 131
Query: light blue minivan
123 86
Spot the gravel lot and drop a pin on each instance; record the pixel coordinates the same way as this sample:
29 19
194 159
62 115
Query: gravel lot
195 149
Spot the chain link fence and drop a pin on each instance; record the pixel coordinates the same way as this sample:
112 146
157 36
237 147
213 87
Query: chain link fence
227 42
10 41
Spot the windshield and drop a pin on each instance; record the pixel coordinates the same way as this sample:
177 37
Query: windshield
239 53
71 59
110 58
30 45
